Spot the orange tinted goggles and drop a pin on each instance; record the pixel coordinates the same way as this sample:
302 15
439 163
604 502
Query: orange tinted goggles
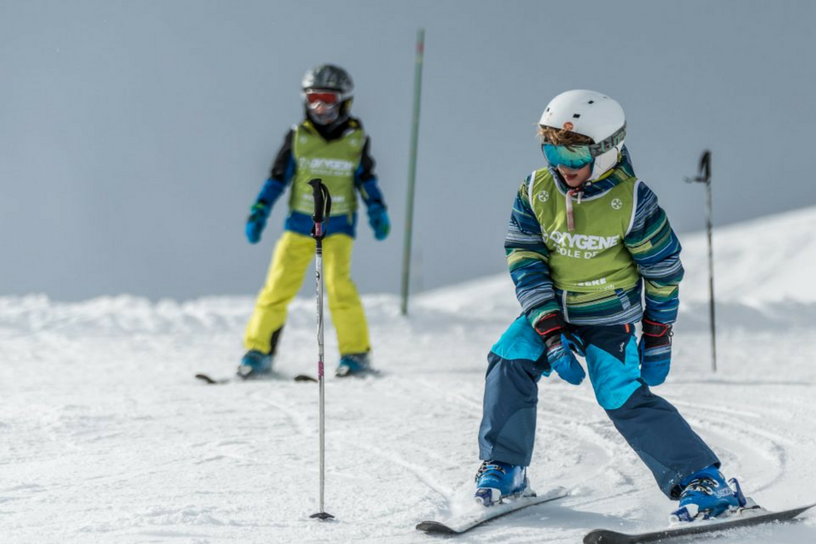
327 97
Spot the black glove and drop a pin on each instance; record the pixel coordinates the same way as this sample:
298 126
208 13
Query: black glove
655 351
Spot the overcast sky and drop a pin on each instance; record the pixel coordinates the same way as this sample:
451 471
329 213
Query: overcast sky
135 135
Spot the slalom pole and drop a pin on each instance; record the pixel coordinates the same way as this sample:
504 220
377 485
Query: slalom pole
409 204
704 176
322 211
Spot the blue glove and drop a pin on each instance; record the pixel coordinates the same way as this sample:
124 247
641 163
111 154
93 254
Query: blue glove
655 351
560 345
378 219
257 221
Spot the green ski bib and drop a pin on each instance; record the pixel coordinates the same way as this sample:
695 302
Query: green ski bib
593 256
334 162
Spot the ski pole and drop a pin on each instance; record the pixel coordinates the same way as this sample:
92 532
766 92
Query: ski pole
704 176
322 210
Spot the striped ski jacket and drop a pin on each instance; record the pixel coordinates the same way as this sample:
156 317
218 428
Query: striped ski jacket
546 281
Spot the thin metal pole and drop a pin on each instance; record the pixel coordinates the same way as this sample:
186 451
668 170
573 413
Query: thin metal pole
704 176
409 206
710 227
322 200
320 368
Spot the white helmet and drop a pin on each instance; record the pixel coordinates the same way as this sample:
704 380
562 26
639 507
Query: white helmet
594 115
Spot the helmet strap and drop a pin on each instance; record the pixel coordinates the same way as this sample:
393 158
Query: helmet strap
601 172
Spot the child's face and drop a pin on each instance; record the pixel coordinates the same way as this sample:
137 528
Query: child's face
575 177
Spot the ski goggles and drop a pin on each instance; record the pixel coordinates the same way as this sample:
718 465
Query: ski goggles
575 157
329 98
578 156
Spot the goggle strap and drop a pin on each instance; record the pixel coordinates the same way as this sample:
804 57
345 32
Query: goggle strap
607 144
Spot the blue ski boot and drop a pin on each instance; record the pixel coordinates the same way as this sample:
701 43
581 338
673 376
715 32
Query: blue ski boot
354 364
496 480
254 364
707 495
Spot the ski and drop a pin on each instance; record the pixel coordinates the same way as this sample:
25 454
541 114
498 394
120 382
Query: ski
459 524
206 378
744 518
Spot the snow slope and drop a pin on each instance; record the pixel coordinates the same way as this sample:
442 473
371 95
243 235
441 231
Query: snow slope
106 437
768 260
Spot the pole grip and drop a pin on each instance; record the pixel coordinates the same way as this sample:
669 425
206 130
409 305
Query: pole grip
322 206
705 167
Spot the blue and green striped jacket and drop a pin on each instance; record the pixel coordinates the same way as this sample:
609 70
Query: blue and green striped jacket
650 241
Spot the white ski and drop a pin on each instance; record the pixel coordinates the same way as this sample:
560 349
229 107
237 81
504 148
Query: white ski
482 514
745 518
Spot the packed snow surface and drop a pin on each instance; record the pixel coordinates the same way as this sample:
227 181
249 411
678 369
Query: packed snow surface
106 437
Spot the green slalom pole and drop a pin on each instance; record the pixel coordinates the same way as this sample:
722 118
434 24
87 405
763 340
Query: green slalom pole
409 206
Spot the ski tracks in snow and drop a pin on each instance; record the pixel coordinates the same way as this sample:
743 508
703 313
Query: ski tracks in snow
107 437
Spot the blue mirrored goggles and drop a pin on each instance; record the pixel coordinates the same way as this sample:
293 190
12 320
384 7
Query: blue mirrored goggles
575 157
578 156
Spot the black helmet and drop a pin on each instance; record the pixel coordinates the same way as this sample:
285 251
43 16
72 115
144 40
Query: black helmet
329 76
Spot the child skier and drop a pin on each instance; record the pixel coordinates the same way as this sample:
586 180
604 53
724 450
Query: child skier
585 238
331 145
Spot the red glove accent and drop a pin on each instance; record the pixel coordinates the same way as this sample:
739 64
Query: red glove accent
656 334
550 325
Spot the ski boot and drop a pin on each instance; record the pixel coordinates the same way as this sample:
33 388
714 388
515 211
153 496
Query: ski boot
707 495
354 364
254 364
496 480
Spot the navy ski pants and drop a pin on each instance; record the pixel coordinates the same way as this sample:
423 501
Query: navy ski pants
653 428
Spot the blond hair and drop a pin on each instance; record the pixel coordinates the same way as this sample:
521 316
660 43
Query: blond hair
554 136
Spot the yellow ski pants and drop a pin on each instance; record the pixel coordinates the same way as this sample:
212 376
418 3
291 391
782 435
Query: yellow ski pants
293 254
